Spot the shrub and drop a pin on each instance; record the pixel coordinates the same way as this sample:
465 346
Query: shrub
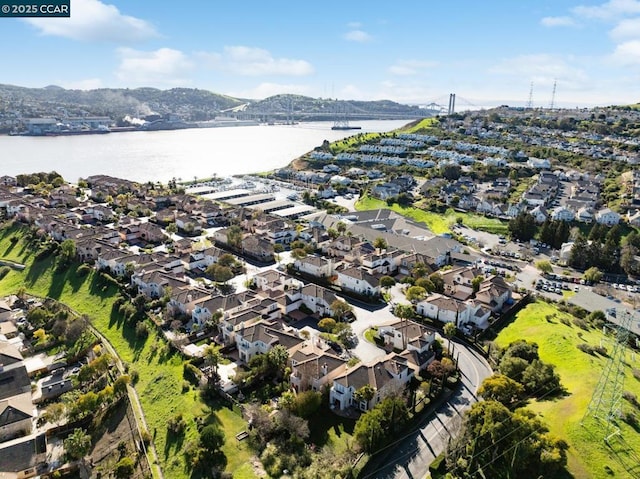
191 373
176 424
4 271
601 350
630 418
581 323
125 468
636 374
186 385
632 398
585 348
83 270
142 330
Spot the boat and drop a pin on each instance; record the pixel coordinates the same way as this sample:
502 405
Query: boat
165 124
346 127
100 130
223 121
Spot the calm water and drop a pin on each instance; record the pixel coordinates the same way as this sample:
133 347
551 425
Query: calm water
162 155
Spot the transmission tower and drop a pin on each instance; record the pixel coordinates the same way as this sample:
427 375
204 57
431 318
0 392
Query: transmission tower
530 102
553 95
605 405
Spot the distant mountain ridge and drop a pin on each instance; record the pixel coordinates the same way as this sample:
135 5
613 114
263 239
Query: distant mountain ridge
189 103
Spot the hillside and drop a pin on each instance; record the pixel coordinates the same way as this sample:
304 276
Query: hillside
17 103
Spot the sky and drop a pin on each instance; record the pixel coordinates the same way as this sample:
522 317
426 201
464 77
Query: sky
488 52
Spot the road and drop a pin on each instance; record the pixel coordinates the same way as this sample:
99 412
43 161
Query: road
410 456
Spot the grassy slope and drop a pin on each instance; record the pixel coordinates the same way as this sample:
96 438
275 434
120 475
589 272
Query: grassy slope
579 372
160 384
436 222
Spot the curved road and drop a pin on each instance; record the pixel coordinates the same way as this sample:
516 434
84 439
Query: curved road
409 457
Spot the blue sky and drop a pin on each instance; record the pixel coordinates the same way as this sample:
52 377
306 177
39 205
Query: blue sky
487 52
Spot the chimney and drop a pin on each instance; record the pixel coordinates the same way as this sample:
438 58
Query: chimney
324 369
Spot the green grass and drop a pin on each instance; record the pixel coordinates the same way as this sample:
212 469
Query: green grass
422 126
353 142
437 222
160 371
579 372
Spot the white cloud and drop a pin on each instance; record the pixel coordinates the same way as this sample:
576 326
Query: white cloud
410 67
265 90
354 25
92 20
87 84
558 22
165 67
352 92
359 36
249 61
628 28
542 69
627 53
608 10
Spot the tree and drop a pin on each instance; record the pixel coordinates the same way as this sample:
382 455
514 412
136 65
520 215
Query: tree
449 331
234 237
387 282
379 425
211 438
327 324
67 251
593 275
341 227
526 449
120 385
171 228
55 413
277 358
306 403
340 309
212 358
476 282
77 444
502 389
380 243
540 379
125 468
365 393
227 260
438 282
544 266
416 293
222 274
522 227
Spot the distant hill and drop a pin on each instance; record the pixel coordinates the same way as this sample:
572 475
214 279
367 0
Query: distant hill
189 103
306 108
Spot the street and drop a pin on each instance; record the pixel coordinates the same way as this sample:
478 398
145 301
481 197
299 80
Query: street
410 456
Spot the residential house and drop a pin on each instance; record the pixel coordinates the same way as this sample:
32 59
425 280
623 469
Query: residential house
318 299
314 365
359 281
315 266
607 217
16 416
154 284
444 309
390 373
584 215
494 294
260 337
562 213
539 214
